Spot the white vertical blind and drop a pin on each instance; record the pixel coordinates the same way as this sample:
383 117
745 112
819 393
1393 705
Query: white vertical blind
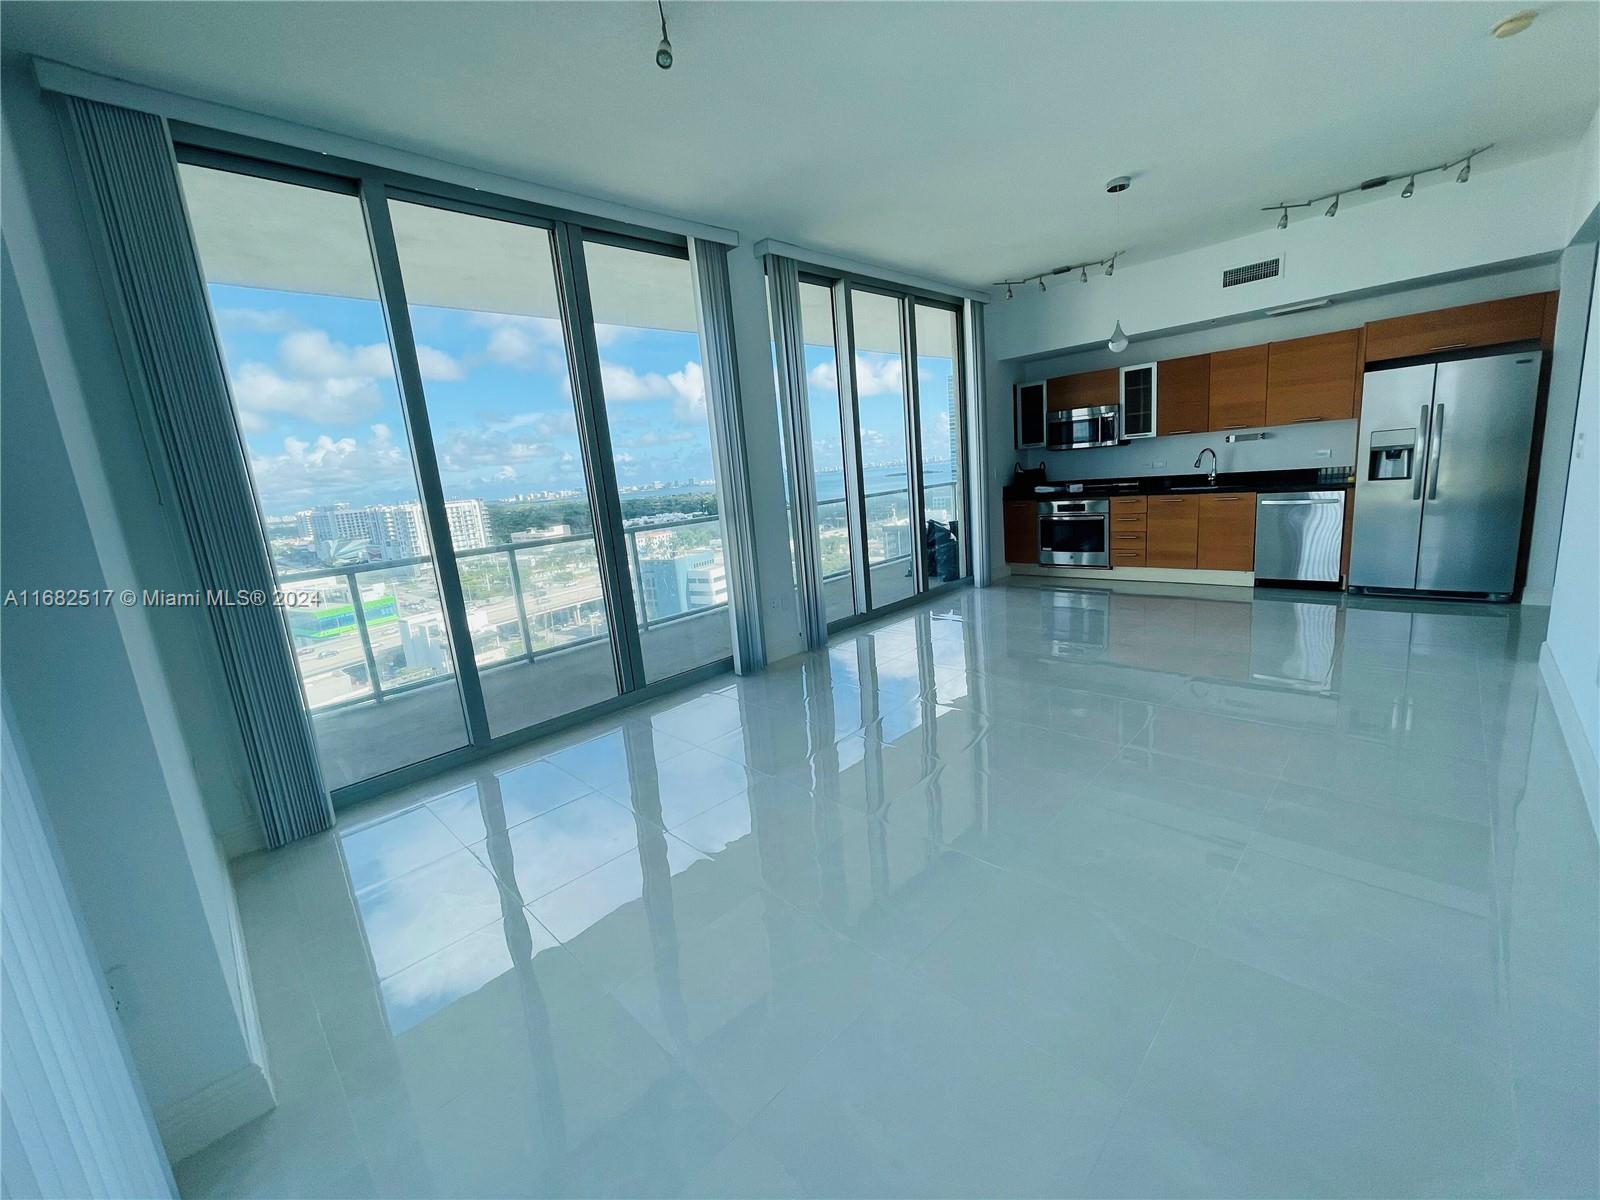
977 448
708 262
783 289
174 366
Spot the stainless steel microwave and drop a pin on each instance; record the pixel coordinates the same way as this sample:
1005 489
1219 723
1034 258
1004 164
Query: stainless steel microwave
1081 428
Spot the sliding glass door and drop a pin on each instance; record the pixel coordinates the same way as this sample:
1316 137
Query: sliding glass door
653 388
480 450
886 444
483 291
938 334
296 307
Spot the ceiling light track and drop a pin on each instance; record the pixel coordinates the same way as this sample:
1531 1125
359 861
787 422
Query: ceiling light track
1367 185
1105 266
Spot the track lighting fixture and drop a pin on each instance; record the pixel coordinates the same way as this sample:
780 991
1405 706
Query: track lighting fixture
1378 181
1084 277
664 49
1041 283
1008 292
1043 278
1111 266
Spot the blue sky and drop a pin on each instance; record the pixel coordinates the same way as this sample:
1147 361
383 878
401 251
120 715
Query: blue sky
321 415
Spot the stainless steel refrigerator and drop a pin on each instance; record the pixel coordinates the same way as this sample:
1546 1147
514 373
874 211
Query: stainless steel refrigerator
1442 475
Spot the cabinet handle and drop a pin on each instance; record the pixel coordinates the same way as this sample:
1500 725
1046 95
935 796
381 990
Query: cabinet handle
1241 425
1176 432
1128 537
1304 420
1451 346
1139 517
1222 499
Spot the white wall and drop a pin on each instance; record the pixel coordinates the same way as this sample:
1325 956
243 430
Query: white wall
1573 638
112 747
75 1121
1507 213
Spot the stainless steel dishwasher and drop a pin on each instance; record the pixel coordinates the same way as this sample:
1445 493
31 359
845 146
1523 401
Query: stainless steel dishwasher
1298 535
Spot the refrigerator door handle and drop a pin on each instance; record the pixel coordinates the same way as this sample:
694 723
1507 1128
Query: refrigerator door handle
1421 451
1437 449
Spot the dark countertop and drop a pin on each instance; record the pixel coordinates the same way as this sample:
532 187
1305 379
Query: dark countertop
1310 479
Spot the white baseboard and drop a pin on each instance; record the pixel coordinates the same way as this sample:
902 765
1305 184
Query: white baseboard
1140 574
242 839
1578 747
194 1123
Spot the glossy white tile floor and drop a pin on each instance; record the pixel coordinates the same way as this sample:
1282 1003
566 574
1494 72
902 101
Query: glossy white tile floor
1030 891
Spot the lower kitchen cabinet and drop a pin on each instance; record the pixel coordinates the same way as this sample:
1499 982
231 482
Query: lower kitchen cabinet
1226 539
1172 528
1022 531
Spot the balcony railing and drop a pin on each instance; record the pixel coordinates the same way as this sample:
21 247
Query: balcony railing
829 505
482 596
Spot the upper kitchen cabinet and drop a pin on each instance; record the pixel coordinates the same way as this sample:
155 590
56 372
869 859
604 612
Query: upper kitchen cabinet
1313 378
1083 391
1028 401
1185 388
1492 323
1138 397
1238 388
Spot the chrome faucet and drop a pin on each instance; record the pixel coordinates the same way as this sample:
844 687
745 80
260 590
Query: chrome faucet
1211 479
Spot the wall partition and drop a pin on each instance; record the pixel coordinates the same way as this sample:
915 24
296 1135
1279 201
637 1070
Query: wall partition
886 444
477 435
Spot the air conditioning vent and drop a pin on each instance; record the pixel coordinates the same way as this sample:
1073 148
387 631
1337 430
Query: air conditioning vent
1267 268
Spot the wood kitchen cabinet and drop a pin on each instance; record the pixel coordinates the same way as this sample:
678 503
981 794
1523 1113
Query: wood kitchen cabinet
1172 526
1492 323
1083 391
1022 531
1184 388
1127 538
1238 388
1313 378
1226 537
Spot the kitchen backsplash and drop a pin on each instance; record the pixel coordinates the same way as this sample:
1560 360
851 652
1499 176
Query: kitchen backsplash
1285 448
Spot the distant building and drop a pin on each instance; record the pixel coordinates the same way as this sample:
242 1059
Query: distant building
540 533
423 643
682 583
388 531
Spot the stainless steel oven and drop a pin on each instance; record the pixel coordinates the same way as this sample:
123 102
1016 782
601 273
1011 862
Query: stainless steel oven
1075 533
1080 428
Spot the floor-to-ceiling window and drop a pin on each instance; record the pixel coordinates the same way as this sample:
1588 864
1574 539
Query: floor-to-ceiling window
660 441
885 446
296 306
503 421
478 439
827 429
939 408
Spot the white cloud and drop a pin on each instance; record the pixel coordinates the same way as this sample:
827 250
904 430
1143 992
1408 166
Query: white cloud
473 449
529 343
313 354
306 472
624 384
877 376
342 400
689 388
824 377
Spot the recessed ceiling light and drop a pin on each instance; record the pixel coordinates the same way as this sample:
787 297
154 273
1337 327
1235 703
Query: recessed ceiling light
1514 24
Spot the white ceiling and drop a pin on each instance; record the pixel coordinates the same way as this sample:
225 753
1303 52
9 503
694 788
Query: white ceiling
966 141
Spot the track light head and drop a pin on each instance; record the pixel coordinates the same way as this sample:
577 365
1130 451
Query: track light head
1008 291
1411 186
1466 172
1111 266
1083 275
1041 284
1283 219
1333 209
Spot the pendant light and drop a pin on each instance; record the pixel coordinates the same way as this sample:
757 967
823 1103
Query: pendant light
1119 340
